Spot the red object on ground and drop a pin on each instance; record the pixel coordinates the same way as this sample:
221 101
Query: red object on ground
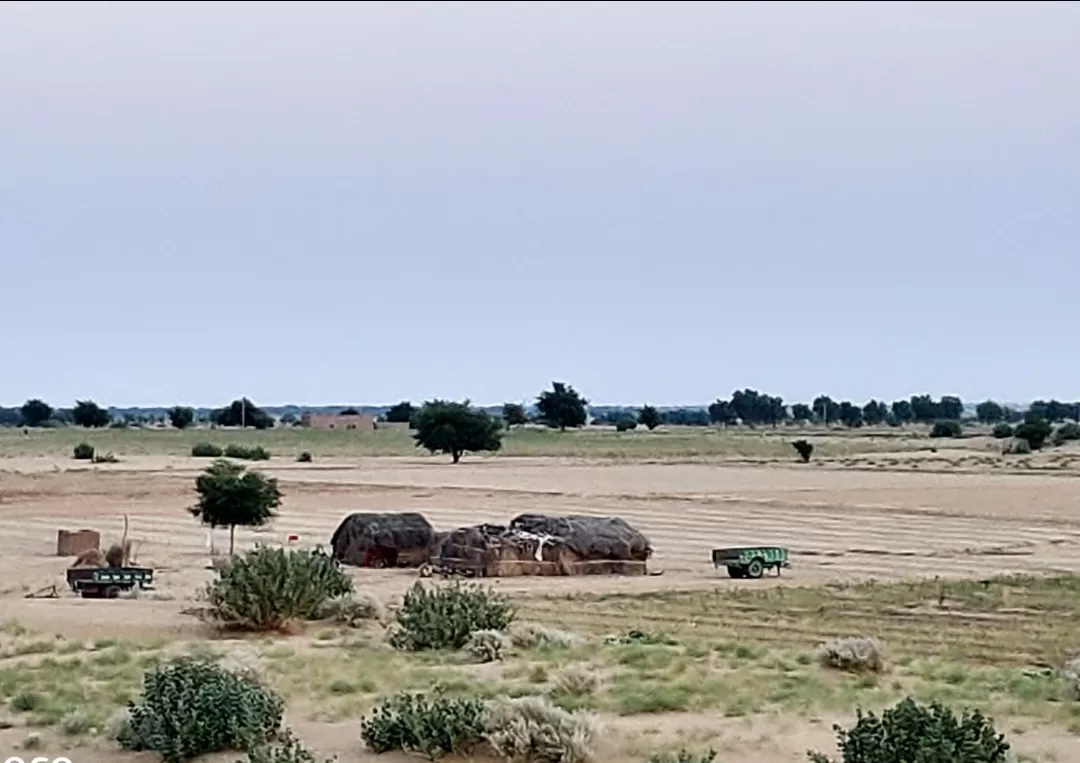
294 538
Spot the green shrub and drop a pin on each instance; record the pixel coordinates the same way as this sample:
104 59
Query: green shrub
625 425
269 588
441 618
1035 432
946 429
910 733
190 708
304 458
1065 433
532 729
1003 431
804 449
84 451
433 724
286 748
206 450
243 452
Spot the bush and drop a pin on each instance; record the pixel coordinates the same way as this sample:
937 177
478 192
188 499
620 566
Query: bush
946 429
532 729
1003 431
534 635
1065 433
441 618
804 449
352 610
1035 432
269 588
243 452
191 708
577 682
84 451
206 450
911 732
488 645
858 654
1014 446
304 458
285 749
434 725
625 425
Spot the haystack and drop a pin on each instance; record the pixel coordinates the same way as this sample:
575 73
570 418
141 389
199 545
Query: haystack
539 545
393 539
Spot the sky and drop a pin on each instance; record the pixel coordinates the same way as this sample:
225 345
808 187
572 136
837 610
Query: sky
657 202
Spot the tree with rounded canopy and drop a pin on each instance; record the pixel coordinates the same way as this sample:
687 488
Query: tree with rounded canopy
87 413
230 495
402 413
35 412
243 413
649 417
562 407
455 428
513 414
181 416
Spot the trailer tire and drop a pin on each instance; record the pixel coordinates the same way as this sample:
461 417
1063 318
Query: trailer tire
735 571
111 592
756 568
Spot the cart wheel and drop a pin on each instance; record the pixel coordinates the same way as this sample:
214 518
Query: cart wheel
734 571
755 569
378 563
426 571
111 592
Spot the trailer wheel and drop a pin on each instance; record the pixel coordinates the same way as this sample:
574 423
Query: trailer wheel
111 592
755 569
734 571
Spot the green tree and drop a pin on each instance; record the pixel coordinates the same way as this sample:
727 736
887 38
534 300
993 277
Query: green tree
181 416
230 495
720 412
649 417
402 413
562 406
455 428
826 410
513 414
87 413
903 412
989 412
802 412
875 413
243 413
35 412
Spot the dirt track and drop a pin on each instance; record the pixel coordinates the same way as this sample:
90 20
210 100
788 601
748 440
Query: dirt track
838 524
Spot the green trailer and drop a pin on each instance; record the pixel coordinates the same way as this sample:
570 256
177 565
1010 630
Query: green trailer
750 561
108 582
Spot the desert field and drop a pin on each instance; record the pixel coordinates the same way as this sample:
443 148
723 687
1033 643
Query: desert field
962 562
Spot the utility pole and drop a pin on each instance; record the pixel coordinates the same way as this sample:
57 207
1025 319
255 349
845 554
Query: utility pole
243 413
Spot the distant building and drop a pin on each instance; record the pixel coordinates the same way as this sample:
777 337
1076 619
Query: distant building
338 421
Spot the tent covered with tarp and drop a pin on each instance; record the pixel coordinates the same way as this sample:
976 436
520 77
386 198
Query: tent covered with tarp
541 545
389 539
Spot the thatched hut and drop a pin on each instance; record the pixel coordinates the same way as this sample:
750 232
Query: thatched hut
392 539
539 545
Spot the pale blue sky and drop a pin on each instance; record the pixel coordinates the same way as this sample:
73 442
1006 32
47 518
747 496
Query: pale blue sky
652 201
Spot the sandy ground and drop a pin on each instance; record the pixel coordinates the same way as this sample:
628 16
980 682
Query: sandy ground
838 525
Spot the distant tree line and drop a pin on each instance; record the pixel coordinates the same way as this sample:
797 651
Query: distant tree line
562 407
